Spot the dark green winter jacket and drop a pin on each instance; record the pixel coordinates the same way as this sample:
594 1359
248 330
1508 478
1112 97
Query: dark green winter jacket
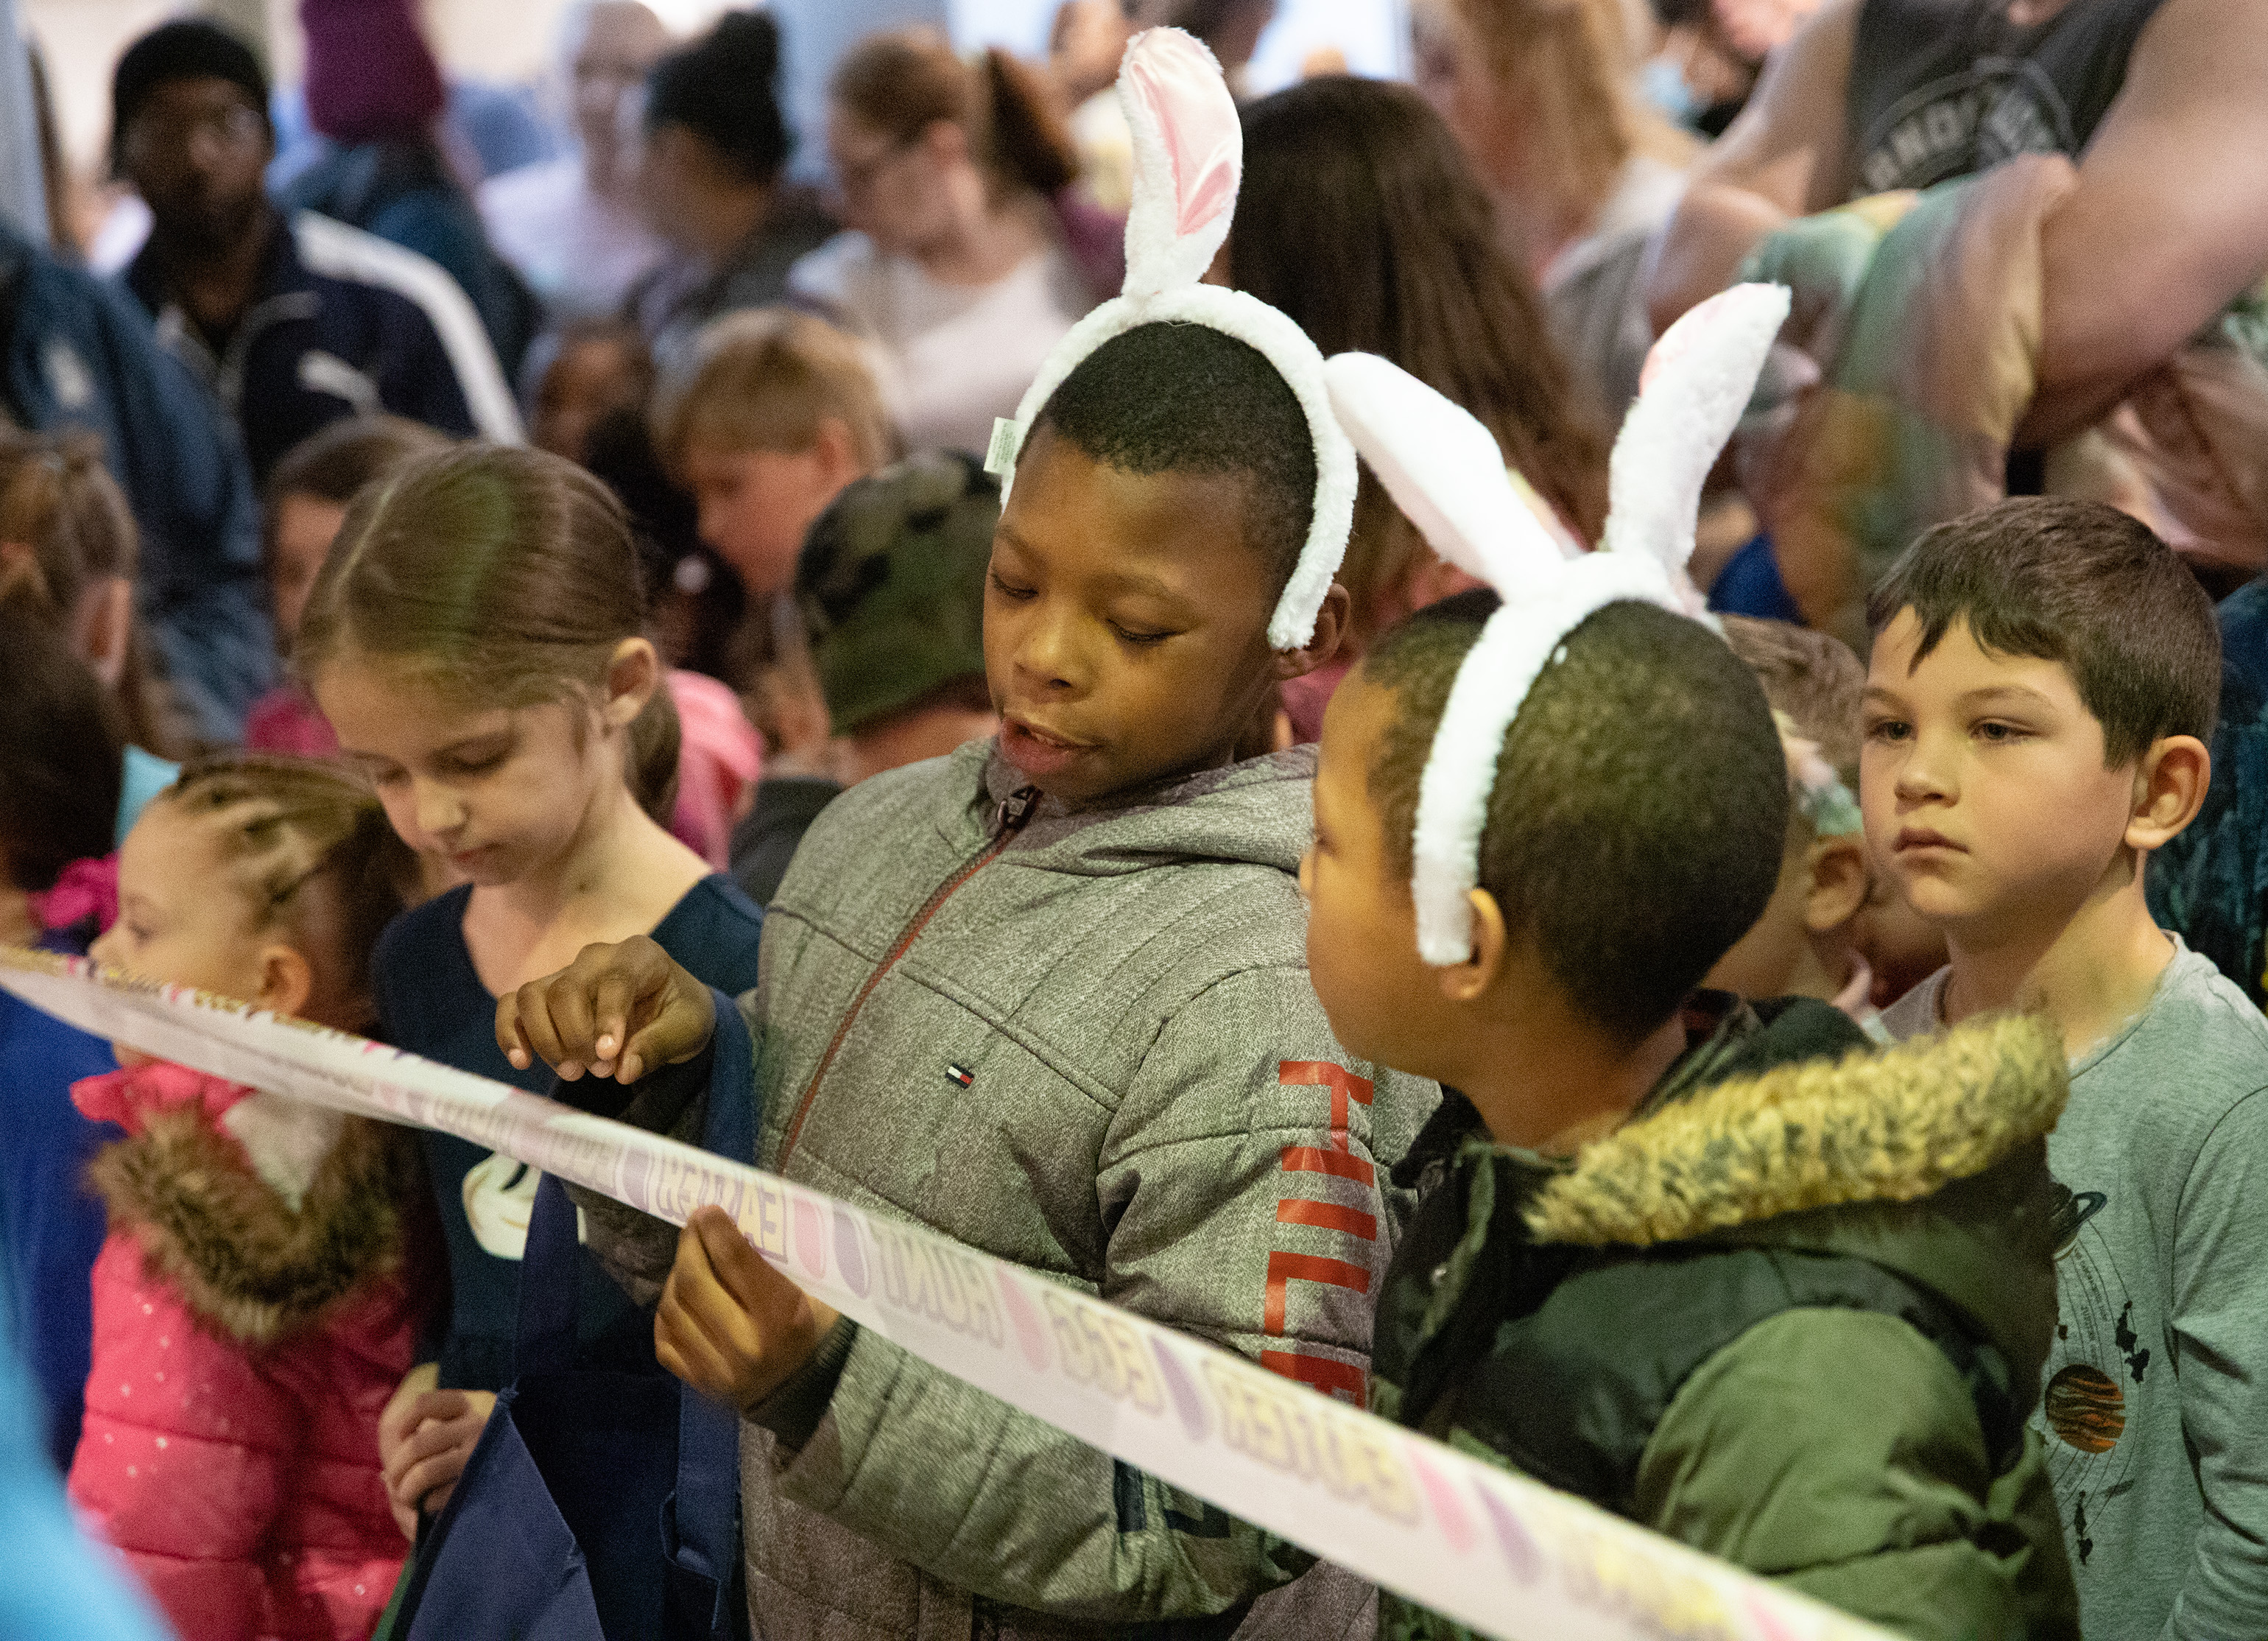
1792 1313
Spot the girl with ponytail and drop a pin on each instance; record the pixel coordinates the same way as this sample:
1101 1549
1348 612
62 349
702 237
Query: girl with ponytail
968 258
473 637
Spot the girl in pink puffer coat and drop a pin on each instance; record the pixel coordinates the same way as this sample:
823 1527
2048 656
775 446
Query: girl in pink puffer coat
252 1307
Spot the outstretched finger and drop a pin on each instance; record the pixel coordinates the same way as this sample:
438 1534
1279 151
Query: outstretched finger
567 1003
517 1050
537 1030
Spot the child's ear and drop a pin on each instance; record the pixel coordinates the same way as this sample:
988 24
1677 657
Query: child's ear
287 980
103 627
832 444
2169 788
1838 891
1331 632
633 674
1469 980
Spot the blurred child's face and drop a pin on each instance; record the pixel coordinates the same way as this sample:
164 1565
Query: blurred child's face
1125 621
304 529
756 506
176 921
1898 944
1382 998
587 381
1982 784
494 792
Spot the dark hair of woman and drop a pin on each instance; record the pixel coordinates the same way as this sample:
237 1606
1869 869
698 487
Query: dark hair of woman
1360 218
901 83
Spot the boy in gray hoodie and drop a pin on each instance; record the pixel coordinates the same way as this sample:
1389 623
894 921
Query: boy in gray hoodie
1048 996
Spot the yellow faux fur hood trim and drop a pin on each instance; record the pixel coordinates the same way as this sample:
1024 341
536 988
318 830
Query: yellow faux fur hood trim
1877 1125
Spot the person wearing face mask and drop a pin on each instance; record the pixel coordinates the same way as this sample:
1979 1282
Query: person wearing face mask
572 226
959 264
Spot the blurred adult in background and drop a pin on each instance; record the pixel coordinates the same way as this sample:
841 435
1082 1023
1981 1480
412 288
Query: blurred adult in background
572 226
1710 53
2072 307
374 92
1085 47
293 323
1359 217
76 352
710 177
957 263
1542 97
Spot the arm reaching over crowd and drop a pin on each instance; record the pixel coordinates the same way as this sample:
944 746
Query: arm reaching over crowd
2169 221
2132 268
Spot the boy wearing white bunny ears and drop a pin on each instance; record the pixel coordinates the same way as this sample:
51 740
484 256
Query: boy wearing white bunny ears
1718 1268
1047 997
1714 1267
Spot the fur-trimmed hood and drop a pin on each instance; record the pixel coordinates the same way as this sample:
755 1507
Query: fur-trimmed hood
1925 1159
259 1212
1872 1127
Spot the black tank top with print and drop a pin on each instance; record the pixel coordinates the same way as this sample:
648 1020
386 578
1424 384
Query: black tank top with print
1944 88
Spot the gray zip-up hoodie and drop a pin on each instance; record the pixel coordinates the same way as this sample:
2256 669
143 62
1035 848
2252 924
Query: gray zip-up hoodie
1086 1042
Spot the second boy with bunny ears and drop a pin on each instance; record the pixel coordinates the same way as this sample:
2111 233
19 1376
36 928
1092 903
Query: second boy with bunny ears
1718 1269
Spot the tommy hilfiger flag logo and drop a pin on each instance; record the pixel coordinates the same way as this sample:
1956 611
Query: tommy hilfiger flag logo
961 1075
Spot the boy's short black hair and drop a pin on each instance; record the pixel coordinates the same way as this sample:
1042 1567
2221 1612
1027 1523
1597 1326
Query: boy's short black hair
1174 396
1640 807
2079 583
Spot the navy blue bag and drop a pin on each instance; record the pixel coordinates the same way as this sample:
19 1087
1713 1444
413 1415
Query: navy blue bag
598 1506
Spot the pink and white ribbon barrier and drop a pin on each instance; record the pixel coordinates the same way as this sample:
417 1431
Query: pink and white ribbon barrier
1510 1557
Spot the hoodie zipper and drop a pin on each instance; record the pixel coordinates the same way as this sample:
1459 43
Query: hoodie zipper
1015 809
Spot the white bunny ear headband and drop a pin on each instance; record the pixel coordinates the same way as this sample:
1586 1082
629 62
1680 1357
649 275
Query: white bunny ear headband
1189 158
1445 472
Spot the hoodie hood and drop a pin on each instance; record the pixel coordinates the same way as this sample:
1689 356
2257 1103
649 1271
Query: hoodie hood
1923 1158
1260 812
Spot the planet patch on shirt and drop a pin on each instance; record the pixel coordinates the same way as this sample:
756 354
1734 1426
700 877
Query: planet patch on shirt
2085 1407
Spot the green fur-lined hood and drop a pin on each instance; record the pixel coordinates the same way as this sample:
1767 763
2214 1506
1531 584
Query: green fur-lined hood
1908 1157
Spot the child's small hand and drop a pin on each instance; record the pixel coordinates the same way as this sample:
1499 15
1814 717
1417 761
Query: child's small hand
616 1011
425 1440
730 1325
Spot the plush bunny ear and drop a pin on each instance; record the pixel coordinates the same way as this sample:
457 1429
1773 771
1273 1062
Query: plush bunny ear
1443 470
1188 155
1189 158
1697 382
